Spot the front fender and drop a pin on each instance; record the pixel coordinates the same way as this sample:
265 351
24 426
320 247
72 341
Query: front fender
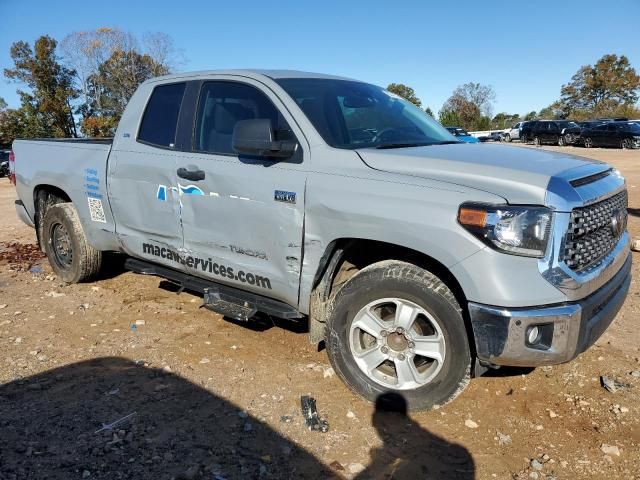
420 216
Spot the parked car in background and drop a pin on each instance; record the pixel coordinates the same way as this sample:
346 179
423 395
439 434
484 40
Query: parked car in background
462 135
557 132
492 137
612 134
4 163
525 130
513 133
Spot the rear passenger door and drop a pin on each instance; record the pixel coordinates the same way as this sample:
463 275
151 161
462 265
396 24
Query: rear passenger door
242 216
553 132
141 180
598 134
613 135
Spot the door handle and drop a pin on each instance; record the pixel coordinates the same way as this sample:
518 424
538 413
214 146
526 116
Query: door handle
193 175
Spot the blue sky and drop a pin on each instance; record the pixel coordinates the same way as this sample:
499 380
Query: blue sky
525 50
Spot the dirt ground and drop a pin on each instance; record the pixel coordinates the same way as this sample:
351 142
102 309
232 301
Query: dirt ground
202 397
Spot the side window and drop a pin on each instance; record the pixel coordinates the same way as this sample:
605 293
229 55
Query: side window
160 119
222 105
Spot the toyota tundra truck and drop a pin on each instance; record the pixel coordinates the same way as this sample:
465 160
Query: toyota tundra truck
416 260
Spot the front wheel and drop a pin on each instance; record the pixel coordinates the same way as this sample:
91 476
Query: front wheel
71 257
561 141
395 327
625 143
523 139
507 138
588 142
536 141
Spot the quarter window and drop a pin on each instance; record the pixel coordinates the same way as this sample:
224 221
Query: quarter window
160 119
222 105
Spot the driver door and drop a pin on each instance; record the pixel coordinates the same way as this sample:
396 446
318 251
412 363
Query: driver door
242 217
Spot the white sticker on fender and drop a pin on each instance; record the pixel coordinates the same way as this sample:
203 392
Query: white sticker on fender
96 211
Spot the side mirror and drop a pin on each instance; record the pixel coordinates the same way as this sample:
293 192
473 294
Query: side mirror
255 137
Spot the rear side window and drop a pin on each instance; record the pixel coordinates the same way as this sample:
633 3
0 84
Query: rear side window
160 120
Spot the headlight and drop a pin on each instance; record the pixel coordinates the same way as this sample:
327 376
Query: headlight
511 229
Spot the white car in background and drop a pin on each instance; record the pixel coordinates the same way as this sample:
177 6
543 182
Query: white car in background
513 133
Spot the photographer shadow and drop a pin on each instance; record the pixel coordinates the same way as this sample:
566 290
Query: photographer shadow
111 418
411 452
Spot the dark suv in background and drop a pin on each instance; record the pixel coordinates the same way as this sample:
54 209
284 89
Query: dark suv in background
4 163
612 134
558 132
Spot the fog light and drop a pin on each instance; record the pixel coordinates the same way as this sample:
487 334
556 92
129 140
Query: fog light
534 336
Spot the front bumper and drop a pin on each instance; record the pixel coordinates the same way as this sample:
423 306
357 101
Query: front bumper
570 328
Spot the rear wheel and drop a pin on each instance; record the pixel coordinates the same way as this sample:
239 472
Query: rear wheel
523 138
588 142
70 255
507 137
625 143
561 141
536 141
395 327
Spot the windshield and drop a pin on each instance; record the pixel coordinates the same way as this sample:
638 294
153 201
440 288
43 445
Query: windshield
632 127
352 115
567 125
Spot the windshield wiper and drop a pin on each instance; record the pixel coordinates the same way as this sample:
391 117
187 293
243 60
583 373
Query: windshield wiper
400 145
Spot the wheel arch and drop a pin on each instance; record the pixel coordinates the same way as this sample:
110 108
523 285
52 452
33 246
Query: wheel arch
344 257
44 196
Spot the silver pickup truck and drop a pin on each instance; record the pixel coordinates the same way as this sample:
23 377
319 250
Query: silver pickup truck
416 259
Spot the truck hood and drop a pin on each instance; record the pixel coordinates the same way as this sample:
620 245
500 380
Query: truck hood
519 175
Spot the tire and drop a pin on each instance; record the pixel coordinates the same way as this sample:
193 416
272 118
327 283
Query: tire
536 141
507 138
588 142
71 257
523 138
625 143
561 141
383 289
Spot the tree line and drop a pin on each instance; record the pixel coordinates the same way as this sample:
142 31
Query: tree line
608 88
81 85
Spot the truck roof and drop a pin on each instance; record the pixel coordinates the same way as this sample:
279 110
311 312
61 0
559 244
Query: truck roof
251 73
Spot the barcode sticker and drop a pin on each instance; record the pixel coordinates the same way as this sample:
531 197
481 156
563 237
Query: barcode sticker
96 211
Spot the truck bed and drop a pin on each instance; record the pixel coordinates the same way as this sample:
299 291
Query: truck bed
102 141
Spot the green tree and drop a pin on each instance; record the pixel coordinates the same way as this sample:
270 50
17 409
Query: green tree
610 83
47 107
3 104
448 118
429 112
530 116
112 86
471 102
405 92
504 120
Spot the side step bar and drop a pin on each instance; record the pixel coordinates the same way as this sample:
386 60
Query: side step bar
223 299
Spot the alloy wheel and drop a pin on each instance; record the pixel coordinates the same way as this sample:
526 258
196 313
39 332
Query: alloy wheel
397 343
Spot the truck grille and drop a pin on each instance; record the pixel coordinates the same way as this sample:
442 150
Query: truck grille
592 233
